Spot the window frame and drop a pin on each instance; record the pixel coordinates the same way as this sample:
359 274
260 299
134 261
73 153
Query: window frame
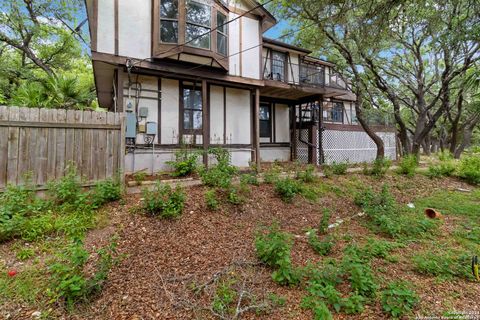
174 20
335 106
210 27
223 33
268 121
285 72
184 108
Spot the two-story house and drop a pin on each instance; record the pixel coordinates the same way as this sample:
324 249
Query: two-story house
200 72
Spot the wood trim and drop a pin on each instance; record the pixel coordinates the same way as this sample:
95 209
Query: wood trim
205 120
94 26
275 144
120 89
225 115
177 72
159 111
58 125
245 13
180 112
115 9
257 128
240 38
274 120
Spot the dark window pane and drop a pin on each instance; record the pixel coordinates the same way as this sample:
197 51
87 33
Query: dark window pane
265 131
197 100
221 44
169 9
264 113
187 119
168 31
192 104
193 33
221 23
198 13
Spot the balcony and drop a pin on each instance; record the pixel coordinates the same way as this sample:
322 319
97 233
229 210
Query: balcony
303 74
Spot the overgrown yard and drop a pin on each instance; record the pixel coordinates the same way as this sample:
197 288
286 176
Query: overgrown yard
254 250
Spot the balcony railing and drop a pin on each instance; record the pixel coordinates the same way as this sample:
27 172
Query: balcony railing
313 75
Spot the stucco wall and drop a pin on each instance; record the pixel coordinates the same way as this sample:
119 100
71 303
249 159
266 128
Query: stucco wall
134 28
106 27
216 115
170 111
238 116
282 123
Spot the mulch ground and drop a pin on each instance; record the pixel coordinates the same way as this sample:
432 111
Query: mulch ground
161 258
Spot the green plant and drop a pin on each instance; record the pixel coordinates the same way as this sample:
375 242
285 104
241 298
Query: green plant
308 175
67 190
339 168
185 162
407 165
235 196
272 174
139 177
379 167
211 199
273 248
106 191
443 169
163 201
249 178
221 174
361 279
469 169
287 188
322 247
353 304
398 299
25 254
224 297
445 264
324 222
445 155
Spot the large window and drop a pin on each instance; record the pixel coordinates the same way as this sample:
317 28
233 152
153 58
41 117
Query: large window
278 65
198 25
222 32
169 21
337 112
192 109
265 121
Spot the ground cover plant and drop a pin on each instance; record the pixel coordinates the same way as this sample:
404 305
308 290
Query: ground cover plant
185 163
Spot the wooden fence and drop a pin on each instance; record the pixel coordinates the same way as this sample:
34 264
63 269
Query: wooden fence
41 143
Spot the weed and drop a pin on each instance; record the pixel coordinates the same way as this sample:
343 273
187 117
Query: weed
287 189
163 201
444 264
272 174
445 155
185 162
398 299
106 191
353 304
442 169
362 279
221 174
249 178
339 168
308 175
139 177
25 254
324 222
322 247
66 190
407 165
379 167
211 199
224 297
235 196
469 169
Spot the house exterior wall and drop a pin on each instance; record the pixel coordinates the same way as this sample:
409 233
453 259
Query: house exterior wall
134 28
106 27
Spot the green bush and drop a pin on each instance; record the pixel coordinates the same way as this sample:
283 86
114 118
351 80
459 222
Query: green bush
379 167
445 264
272 174
67 190
287 189
273 248
445 156
163 201
324 222
211 199
185 162
442 169
398 299
221 174
469 169
339 168
407 165
139 177
322 247
235 196
249 178
308 175
68 283
106 191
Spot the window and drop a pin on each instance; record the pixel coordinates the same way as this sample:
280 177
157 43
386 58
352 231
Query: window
278 66
337 112
265 121
198 24
192 109
222 31
169 21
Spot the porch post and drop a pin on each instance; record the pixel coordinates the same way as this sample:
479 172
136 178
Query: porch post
256 128
320 129
205 122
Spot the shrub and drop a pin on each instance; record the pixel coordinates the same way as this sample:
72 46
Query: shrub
443 169
221 174
234 196
273 249
272 174
361 279
339 168
106 191
407 165
380 167
446 264
185 162
211 199
287 189
163 201
308 175
398 299
322 247
445 156
67 190
324 222
139 177
249 178
469 169
68 282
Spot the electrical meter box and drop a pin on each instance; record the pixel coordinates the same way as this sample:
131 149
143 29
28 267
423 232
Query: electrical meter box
143 112
129 105
131 123
141 128
151 128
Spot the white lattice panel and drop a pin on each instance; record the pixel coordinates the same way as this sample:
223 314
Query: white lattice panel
302 148
355 146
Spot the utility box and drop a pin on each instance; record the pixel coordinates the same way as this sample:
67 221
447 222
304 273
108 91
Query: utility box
131 123
151 128
143 112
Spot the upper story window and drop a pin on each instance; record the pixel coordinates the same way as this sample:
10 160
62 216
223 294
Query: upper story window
198 26
278 65
169 21
222 33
